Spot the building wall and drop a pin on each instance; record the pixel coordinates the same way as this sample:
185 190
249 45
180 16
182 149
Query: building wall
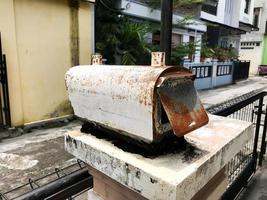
234 17
219 18
263 16
42 39
230 13
256 54
253 53
246 17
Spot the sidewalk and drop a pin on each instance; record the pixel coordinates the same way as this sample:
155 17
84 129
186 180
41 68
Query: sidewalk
37 153
219 95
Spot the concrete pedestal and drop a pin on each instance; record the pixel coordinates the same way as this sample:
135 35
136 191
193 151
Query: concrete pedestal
195 174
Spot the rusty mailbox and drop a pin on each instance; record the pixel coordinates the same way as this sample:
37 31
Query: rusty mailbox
142 102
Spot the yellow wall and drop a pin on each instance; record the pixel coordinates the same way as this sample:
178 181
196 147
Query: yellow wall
36 37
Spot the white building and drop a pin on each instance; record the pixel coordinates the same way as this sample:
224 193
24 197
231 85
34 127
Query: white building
192 32
230 19
253 45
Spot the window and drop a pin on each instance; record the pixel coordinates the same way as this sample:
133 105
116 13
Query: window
247 4
211 9
176 39
256 17
250 43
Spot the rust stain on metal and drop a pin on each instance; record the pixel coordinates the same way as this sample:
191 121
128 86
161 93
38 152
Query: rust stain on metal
181 103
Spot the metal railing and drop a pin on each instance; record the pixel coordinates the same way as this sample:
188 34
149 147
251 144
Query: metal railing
241 70
249 107
66 183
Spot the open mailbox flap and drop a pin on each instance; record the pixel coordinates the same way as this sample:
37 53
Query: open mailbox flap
181 103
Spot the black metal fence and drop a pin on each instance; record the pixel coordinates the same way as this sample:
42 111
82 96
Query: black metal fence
5 118
241 70
240 169
66 183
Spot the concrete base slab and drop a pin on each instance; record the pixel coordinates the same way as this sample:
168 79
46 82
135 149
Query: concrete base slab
93 196
178 175
109 189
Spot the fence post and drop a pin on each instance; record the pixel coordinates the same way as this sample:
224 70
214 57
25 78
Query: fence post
257 131
232 72
263 142
214 72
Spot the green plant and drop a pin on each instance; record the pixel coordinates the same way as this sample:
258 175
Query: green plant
132 45
119 39
223 54
179 52
232 54
206 52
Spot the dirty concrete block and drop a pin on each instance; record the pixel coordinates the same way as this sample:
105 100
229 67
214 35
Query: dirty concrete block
171 176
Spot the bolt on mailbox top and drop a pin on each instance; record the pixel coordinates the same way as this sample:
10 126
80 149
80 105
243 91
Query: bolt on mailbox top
142 102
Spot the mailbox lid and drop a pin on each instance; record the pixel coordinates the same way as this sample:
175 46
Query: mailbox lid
181 103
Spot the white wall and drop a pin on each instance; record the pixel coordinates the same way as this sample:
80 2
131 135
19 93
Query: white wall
244 17
231 17
263 15
219 18
255 55
230 12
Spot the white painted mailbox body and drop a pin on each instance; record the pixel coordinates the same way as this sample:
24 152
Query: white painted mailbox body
143 102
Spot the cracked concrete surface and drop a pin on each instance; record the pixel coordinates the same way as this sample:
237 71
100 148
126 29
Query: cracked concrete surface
33 155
